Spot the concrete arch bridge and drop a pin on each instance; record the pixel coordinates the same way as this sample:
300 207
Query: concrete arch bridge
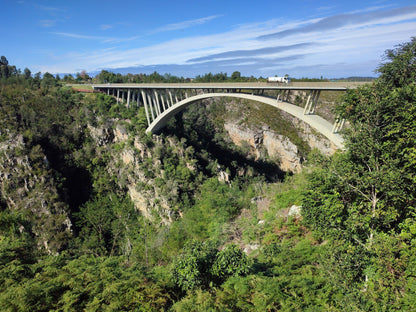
163 101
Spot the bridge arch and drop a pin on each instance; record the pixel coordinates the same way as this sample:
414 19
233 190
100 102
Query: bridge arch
315 121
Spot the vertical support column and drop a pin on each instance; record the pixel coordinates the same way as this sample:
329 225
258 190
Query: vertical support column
338 125
108 91
156 99
128 98
150 101
311 102
118 94
307 105
156 104
138 99
171 99
145 107
315 102
165 94
163 100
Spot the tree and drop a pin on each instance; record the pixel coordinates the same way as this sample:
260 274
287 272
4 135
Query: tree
4 67
201 265
192 268
374 179
368 192
48 80
231 261
68 78
27 73
4 61
236 76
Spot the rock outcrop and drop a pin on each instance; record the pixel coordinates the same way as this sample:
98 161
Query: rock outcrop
278 147
262 139
28 187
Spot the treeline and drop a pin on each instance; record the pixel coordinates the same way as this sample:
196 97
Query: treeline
109 77
105 76
10 72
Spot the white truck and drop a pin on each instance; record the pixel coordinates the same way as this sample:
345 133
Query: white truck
285 79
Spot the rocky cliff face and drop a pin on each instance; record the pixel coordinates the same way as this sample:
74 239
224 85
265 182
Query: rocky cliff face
28 187
277 146
141 168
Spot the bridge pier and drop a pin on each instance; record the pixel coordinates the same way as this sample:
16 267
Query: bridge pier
145 106
338 125
163 101
311 102
149 100
170 96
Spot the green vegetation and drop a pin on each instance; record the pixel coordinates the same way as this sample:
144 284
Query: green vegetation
95 215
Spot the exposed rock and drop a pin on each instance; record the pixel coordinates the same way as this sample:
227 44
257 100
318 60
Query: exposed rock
281 148
313 138
239 135
128 156
102 135
250 248
223 176
277 146
120 133
140 202
295 211
256 199
27 185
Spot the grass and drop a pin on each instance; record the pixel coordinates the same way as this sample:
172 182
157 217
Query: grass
80 87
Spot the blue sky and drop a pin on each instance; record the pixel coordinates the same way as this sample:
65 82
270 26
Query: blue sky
310 38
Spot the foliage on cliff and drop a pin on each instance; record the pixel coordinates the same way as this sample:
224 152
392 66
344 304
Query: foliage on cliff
71 238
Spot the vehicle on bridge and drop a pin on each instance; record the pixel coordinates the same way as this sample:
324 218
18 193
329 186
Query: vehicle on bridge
285 79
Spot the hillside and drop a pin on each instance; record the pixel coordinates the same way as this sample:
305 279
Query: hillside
232 208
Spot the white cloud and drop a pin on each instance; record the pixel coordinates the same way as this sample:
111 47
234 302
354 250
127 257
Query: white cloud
102 39
50 9
105 26
47 23
185 24
358 43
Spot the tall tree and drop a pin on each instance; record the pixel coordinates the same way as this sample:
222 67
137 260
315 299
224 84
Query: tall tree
236 76
4 61
27 73
366 195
